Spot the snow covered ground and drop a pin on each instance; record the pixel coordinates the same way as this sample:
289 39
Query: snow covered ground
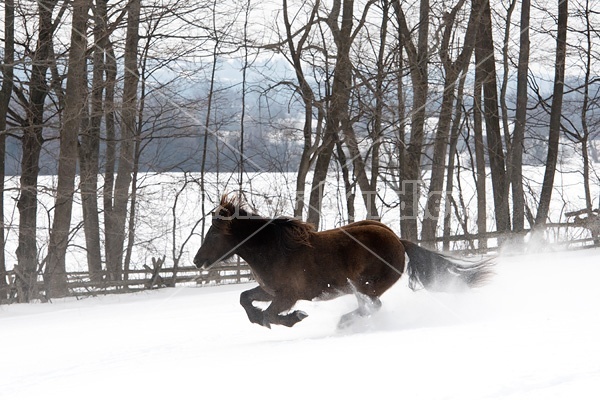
533 333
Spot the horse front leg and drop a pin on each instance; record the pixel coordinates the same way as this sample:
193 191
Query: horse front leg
273 314
255 315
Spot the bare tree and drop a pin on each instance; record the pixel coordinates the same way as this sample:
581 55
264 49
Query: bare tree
369 109
27 258
5 95
516 153
452 71
55 275
584 96
117 215
584 137
555 115
484 57
480 174
337 110
109 112
89 151
295 50
217 40
418 59
454 135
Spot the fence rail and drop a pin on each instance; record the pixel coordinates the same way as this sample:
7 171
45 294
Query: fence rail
579 234
80 283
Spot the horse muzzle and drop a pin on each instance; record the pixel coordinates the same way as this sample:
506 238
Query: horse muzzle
202 264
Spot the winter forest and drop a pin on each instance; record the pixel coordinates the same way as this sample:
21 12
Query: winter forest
465 124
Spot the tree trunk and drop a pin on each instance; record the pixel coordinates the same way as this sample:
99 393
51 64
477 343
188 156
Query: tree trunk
452 71
555 115
400 139
418 57
27 260
516 153
504 86
55 278
368 185
308 148
337 112
307 157
584 138
434 197
206 130
455 132
377 133
367 189
480 182
349 186
109 166
137 153
5 95
118 216
132 205
484 57
318 183
90 147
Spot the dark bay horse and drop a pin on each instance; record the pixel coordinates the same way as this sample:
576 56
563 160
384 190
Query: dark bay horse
291 261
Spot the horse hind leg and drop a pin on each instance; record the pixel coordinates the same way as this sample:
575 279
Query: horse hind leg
367 305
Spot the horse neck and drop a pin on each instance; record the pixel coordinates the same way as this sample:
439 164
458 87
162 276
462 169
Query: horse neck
254 244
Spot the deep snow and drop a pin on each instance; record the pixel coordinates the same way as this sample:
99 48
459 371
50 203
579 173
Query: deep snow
532 333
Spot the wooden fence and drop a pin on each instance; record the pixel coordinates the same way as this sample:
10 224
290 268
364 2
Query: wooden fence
578 233
153 278
150 277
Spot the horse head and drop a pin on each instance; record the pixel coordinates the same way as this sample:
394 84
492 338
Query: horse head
218 244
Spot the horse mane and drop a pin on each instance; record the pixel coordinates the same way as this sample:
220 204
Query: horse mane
290 233
233 206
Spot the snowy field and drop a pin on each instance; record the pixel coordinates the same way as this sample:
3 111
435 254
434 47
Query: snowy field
532 333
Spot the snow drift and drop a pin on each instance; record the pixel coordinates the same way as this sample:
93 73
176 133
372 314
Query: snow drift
531 333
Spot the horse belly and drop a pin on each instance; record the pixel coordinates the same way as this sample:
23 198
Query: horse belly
262 284
331 292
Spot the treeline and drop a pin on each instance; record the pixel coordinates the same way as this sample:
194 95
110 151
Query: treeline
385 92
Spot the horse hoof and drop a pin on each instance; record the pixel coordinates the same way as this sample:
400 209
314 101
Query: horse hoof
265 322
301 315
345 323
293 318
348 320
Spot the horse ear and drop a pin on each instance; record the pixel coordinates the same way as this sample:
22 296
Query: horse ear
223 212
226 209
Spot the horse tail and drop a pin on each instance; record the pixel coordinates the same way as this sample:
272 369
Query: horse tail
434 271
